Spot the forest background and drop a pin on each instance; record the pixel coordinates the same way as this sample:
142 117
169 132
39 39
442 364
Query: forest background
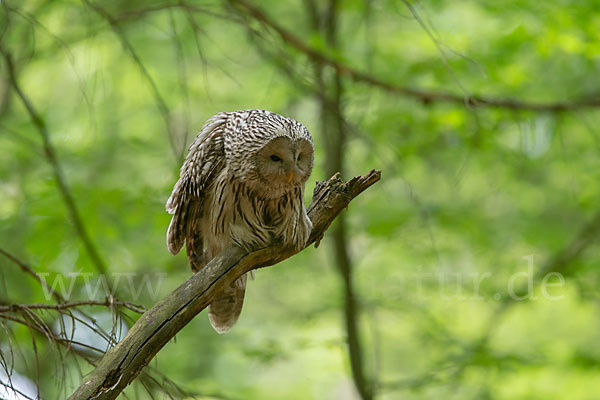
469 272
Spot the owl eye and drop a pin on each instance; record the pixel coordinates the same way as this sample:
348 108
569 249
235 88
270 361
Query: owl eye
275 158
299 157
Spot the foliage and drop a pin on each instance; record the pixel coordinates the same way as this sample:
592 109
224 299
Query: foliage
469 188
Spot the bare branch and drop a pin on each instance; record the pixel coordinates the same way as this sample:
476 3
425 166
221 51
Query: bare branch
52 158
330 96
122 364
81 350
47 332
109 302
27 269
149 9
10 386
426 96
161 104
63 306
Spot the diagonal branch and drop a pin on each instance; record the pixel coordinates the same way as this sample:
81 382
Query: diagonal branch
59 175
161 103
29 270
122 364
426 96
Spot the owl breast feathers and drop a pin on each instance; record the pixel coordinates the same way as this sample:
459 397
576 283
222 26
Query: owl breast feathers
241 183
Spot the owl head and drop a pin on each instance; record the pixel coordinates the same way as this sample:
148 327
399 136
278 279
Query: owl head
273 154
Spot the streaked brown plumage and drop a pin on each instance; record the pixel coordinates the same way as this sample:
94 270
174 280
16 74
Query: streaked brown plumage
242 182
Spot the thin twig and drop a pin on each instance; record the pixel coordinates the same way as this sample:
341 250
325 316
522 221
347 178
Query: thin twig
52 158
138 13
438 45
37 360
15 390
426 96
27 268
161 103
47 332
332 121
63 306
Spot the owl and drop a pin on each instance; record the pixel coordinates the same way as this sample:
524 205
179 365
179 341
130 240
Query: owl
242 183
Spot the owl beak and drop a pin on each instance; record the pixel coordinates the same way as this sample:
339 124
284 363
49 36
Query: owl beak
290 176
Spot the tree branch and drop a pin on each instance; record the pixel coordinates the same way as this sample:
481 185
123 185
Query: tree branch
29 270
330 97
59 175
161 104
109 302
426 96
122 364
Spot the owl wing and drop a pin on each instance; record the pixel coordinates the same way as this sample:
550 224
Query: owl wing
204 161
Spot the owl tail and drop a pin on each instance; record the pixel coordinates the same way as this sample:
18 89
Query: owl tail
226 307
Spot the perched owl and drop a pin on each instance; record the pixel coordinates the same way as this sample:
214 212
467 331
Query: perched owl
241 183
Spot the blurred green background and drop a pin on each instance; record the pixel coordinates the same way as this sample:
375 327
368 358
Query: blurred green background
478 194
